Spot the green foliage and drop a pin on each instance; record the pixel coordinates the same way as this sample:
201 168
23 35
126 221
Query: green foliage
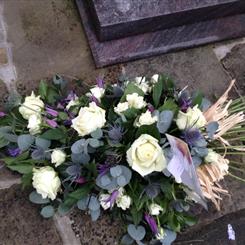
148 129
130 89
169 105
157 92
53 134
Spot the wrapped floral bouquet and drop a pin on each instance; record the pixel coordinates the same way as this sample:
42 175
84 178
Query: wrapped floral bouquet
142 150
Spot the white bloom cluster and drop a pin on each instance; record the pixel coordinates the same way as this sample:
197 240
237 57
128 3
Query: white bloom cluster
97 92
58 157
122 201
132 101
145 119
31 110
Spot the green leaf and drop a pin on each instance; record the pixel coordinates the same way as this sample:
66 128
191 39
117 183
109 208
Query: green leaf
80 193
131 113
43 89
63 209
26 180
130 89
24 167
3 141
197 98
169 105
97 134
52 95
63 116
157 92
190 220
53 134
48 211
137 215
148 129
94 143
36 198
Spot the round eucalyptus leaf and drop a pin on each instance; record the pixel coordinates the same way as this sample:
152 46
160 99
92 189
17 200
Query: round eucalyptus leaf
94 143
136 232
24 141
121 181
127 240
36 198
93 203
95 214
38 154
169 237
74 170
42 143
116 171
63 209
78 146
83 203
105 180
97 134
47 211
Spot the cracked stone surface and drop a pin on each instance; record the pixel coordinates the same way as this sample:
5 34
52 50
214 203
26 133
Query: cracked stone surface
21 222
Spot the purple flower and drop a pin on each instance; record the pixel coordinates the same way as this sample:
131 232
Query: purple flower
115 132
60 106
51 123
151 108
67 122
2 114
100 82
81 180
103 169
112 199
152 223
184 101
191 136
71 96
51 112
14 152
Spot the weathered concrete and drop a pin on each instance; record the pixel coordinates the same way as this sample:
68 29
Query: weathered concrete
21 222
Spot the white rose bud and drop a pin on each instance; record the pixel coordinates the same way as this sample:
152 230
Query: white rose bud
32 105
154 78
58 157
155 209
34 124
46 182
124 202
192 118
212 157
121 107
89 119
97 92
161 234
146 119
146 156
135 101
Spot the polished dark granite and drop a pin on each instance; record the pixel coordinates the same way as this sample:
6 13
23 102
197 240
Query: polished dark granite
120 18
159 42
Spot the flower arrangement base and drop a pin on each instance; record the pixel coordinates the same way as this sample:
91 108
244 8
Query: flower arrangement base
161 41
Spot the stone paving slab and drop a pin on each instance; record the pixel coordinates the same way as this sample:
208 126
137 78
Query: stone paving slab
21 223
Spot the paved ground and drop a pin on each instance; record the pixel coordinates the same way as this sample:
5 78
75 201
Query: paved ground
41 38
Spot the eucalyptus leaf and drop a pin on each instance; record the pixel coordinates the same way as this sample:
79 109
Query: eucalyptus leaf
95 214
136 232
25 141
42 143
3 141
127 240
97 134
73 170
36 198
38 154
78 146
83 203
157 92
116 171
94 142
212 128
93 203
48 211
169 237
164 121
121 181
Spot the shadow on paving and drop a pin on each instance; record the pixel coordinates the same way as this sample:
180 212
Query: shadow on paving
216 232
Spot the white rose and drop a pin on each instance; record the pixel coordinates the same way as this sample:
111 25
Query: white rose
124 202
145 119
146 156
46 182
58 157
121 107
89 119
139 80
142 84
192 118
155 209
34 124
212 157
103 199
135 101
97 92
73 103
32 105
